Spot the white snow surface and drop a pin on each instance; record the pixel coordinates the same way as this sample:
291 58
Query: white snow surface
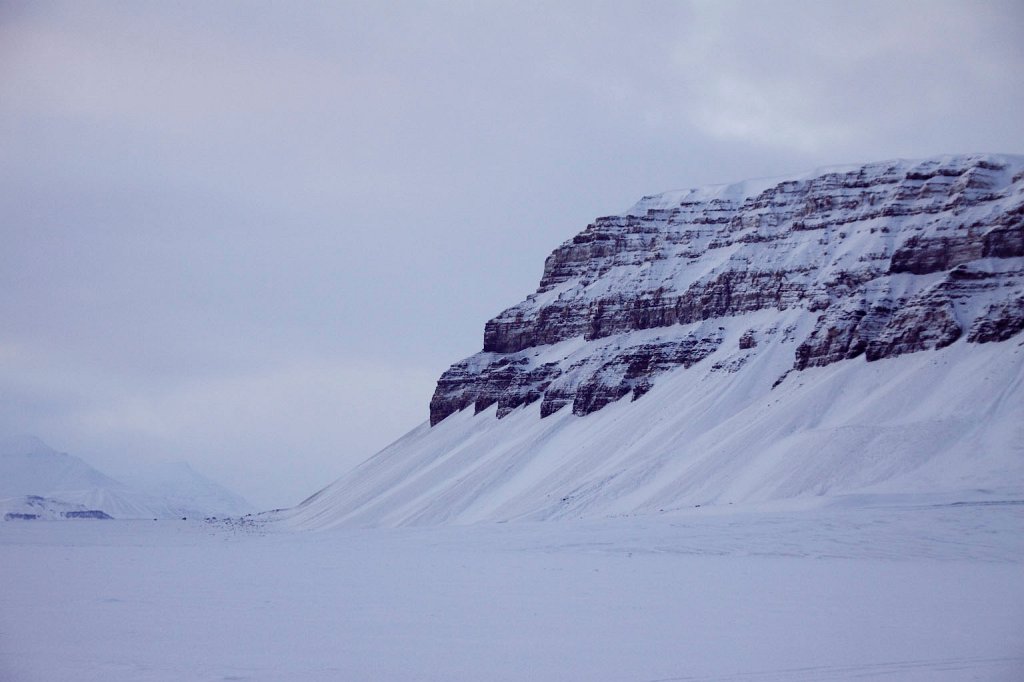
934 421
745 189
878 587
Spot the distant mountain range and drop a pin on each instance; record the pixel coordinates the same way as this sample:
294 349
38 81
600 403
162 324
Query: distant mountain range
36 481
853 329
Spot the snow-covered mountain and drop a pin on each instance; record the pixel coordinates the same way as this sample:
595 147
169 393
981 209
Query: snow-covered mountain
186 489
30 466
33 507
37 480
852 329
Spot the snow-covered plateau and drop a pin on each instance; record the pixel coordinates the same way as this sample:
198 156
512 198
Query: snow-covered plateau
765 431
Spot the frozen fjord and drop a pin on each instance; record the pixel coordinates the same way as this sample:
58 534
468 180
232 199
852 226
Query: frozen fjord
880 587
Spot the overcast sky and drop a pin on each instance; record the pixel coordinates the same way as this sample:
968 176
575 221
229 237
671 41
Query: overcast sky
252 235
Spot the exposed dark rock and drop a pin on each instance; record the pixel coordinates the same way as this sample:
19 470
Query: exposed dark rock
921 256
633 370
889 258
1006 240
1000 322
834 338
729 293
926 322
508 382
87 514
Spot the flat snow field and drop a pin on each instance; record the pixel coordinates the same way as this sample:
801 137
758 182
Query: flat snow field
925 588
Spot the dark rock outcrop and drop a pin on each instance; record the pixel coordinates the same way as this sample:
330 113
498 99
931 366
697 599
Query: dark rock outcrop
87 514
588 383
1000 322
633 370
509 382
925 323
889 258
837 336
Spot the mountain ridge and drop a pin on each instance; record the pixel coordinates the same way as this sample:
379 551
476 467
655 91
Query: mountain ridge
36 479
778 339
856 247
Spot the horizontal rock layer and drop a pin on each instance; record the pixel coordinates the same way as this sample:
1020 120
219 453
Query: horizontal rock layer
886 259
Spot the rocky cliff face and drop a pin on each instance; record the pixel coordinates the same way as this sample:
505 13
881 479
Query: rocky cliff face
882 260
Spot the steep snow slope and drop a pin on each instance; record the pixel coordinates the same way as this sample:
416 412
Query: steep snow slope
948 420
852 329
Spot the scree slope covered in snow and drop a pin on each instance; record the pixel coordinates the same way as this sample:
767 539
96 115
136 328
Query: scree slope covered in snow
853 329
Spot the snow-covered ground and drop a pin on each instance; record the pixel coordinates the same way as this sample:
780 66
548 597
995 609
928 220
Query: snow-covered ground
923 587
